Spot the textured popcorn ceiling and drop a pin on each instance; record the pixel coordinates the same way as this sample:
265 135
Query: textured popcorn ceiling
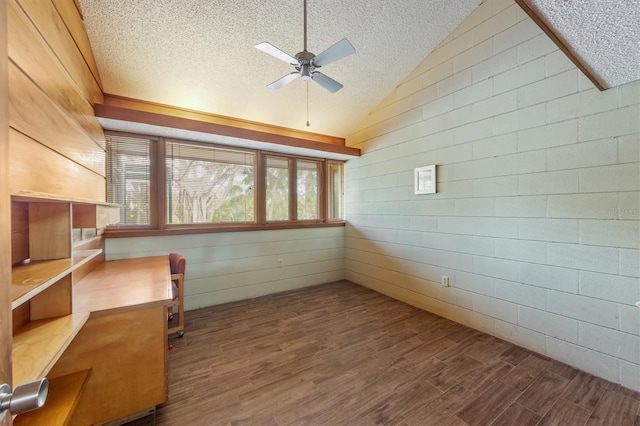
603 34
200 54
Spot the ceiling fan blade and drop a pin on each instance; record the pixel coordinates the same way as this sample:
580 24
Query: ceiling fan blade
284 80
337 51
275 52
326 82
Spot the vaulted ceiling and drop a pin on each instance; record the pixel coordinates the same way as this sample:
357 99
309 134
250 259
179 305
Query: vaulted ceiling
200 54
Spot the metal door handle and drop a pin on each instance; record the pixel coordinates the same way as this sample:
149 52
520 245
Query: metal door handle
26 397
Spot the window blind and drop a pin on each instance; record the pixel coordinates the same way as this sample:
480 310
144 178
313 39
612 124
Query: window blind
209 184
129 177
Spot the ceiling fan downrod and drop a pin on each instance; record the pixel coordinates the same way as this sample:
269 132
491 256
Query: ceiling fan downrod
305 25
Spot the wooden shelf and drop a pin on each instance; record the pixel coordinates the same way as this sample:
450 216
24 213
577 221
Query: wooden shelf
38 345
31 196
94 215
32 278
64 393
46 266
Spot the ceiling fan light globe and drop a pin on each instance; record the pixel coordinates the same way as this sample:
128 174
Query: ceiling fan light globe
305 72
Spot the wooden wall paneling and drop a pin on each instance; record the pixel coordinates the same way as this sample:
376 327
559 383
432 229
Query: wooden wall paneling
49 231
29 51
45 17
75 2
19 232
33 113
70 14
52 302
38 171
124 365
5 216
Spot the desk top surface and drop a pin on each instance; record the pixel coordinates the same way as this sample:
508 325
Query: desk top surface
125 283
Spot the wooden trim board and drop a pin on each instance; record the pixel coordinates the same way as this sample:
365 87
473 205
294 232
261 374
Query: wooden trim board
139 111
566 49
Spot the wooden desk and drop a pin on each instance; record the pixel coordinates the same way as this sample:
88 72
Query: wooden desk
124 342
124 285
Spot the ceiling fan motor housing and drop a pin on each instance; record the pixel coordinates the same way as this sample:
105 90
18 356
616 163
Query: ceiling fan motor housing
305 64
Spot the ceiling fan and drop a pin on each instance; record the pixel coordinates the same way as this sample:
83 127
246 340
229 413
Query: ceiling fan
306 62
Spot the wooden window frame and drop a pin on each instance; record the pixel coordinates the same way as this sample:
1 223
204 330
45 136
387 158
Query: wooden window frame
293 183
158 196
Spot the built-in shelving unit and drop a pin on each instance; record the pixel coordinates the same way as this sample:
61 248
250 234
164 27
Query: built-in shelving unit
46 262
39 344
64 393
30 279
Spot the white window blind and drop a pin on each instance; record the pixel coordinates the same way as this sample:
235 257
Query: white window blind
209 184
129 177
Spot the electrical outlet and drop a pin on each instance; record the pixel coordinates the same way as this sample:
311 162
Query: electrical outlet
279 263
445 281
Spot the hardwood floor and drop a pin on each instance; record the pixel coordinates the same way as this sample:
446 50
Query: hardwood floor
341 354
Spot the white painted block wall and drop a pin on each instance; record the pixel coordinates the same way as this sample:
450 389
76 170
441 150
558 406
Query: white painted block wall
537 216
228 266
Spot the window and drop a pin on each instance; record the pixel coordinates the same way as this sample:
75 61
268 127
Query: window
277 185
168 185
208 184
129 177
335 173
304 175
308 189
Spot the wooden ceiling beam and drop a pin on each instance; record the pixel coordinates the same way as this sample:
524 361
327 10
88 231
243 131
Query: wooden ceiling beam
139 111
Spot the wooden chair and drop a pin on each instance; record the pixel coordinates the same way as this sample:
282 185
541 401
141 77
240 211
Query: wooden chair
177 264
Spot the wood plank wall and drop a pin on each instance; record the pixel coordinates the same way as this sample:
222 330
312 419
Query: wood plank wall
5 214
57 147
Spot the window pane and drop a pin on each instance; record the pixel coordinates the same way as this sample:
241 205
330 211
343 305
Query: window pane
207 184
335 188
277 188
129 177
307 186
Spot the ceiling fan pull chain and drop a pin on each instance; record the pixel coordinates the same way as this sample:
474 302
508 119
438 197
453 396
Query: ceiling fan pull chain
307 103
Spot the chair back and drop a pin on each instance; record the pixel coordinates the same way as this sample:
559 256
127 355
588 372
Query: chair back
177 263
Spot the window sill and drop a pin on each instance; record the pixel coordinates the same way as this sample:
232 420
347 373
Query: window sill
114 232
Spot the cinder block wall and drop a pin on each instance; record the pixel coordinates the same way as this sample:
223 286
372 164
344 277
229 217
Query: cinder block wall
228 266
537 216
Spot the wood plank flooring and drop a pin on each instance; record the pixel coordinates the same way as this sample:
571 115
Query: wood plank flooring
341 354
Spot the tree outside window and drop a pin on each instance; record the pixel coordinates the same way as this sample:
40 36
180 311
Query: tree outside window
165 184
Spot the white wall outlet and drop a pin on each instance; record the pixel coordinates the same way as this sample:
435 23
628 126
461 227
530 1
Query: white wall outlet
279 263
445 281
